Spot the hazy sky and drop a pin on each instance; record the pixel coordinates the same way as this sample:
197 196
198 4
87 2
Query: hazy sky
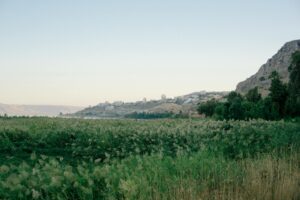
86 52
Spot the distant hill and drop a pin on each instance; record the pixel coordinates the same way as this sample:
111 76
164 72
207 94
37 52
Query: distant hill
180 104
279 62
36 110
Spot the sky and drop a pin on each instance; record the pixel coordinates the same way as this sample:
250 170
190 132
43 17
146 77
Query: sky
85 52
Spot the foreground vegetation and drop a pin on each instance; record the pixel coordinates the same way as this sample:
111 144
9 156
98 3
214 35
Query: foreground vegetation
43 158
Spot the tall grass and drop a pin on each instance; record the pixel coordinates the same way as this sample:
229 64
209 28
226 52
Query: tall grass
43 158
197 176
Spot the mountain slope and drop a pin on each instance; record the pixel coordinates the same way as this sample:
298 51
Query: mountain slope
279 62
183 104
36 110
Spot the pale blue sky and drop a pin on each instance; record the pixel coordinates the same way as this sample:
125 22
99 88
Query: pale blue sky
86 52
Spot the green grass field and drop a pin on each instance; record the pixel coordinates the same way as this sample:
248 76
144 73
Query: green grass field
47 158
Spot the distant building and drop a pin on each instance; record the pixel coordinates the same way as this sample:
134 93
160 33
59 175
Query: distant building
118 103
109 108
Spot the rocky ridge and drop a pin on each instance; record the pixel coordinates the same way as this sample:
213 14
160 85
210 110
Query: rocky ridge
280 62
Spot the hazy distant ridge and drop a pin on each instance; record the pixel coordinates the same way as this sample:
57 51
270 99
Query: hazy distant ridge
36 110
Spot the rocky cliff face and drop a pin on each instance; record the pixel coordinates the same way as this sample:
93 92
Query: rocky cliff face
279 62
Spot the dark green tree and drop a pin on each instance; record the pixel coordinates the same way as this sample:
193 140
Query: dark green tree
253 95
293 101
233 96
278 93
221 111
270 109
233 106
236 110
207 108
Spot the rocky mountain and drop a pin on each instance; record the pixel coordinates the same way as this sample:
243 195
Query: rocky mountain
36 110
279 62
119 109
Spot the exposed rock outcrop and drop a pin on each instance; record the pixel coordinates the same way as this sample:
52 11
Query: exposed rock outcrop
279 62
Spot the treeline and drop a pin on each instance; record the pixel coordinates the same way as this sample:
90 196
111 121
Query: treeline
145 115
148 115
283 100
